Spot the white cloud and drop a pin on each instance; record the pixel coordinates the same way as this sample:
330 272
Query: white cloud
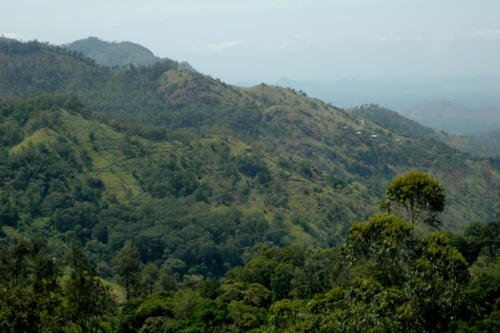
113 22
492 33
384 39
279 46
215 47
12 35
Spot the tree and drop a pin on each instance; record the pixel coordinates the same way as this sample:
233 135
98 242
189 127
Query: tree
436 286
281 279
382 243
150 276
419 196
89 300
127 265
168 281
497 213
18 253
414 283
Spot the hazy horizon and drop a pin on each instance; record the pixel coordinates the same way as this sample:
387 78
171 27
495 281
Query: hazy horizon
263 41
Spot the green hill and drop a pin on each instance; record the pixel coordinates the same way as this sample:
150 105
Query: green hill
200 171
392 120
113 54
202 200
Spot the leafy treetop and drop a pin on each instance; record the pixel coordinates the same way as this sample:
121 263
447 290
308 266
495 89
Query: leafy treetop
420 197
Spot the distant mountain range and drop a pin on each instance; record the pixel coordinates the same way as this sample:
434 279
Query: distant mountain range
455 118
118 53
402 94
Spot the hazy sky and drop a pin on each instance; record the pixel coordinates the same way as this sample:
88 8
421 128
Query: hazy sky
263 40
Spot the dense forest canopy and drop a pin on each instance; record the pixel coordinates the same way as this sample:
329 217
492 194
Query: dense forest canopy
385 277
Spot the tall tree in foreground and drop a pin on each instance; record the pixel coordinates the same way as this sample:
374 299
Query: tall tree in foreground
418 196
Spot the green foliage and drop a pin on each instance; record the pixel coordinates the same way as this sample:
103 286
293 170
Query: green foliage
33 297
283 313
421 197
383 243
90 303
478 240
433 291
150 275
246 317
436 285
127 268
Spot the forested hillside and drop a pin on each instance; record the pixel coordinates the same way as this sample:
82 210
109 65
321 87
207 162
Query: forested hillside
202 201
322 142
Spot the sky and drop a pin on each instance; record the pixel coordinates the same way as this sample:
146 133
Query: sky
265 40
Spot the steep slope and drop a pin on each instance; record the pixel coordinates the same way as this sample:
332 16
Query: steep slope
117 53
316 140
393 121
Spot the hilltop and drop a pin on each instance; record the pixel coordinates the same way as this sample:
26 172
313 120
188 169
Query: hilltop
113 54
